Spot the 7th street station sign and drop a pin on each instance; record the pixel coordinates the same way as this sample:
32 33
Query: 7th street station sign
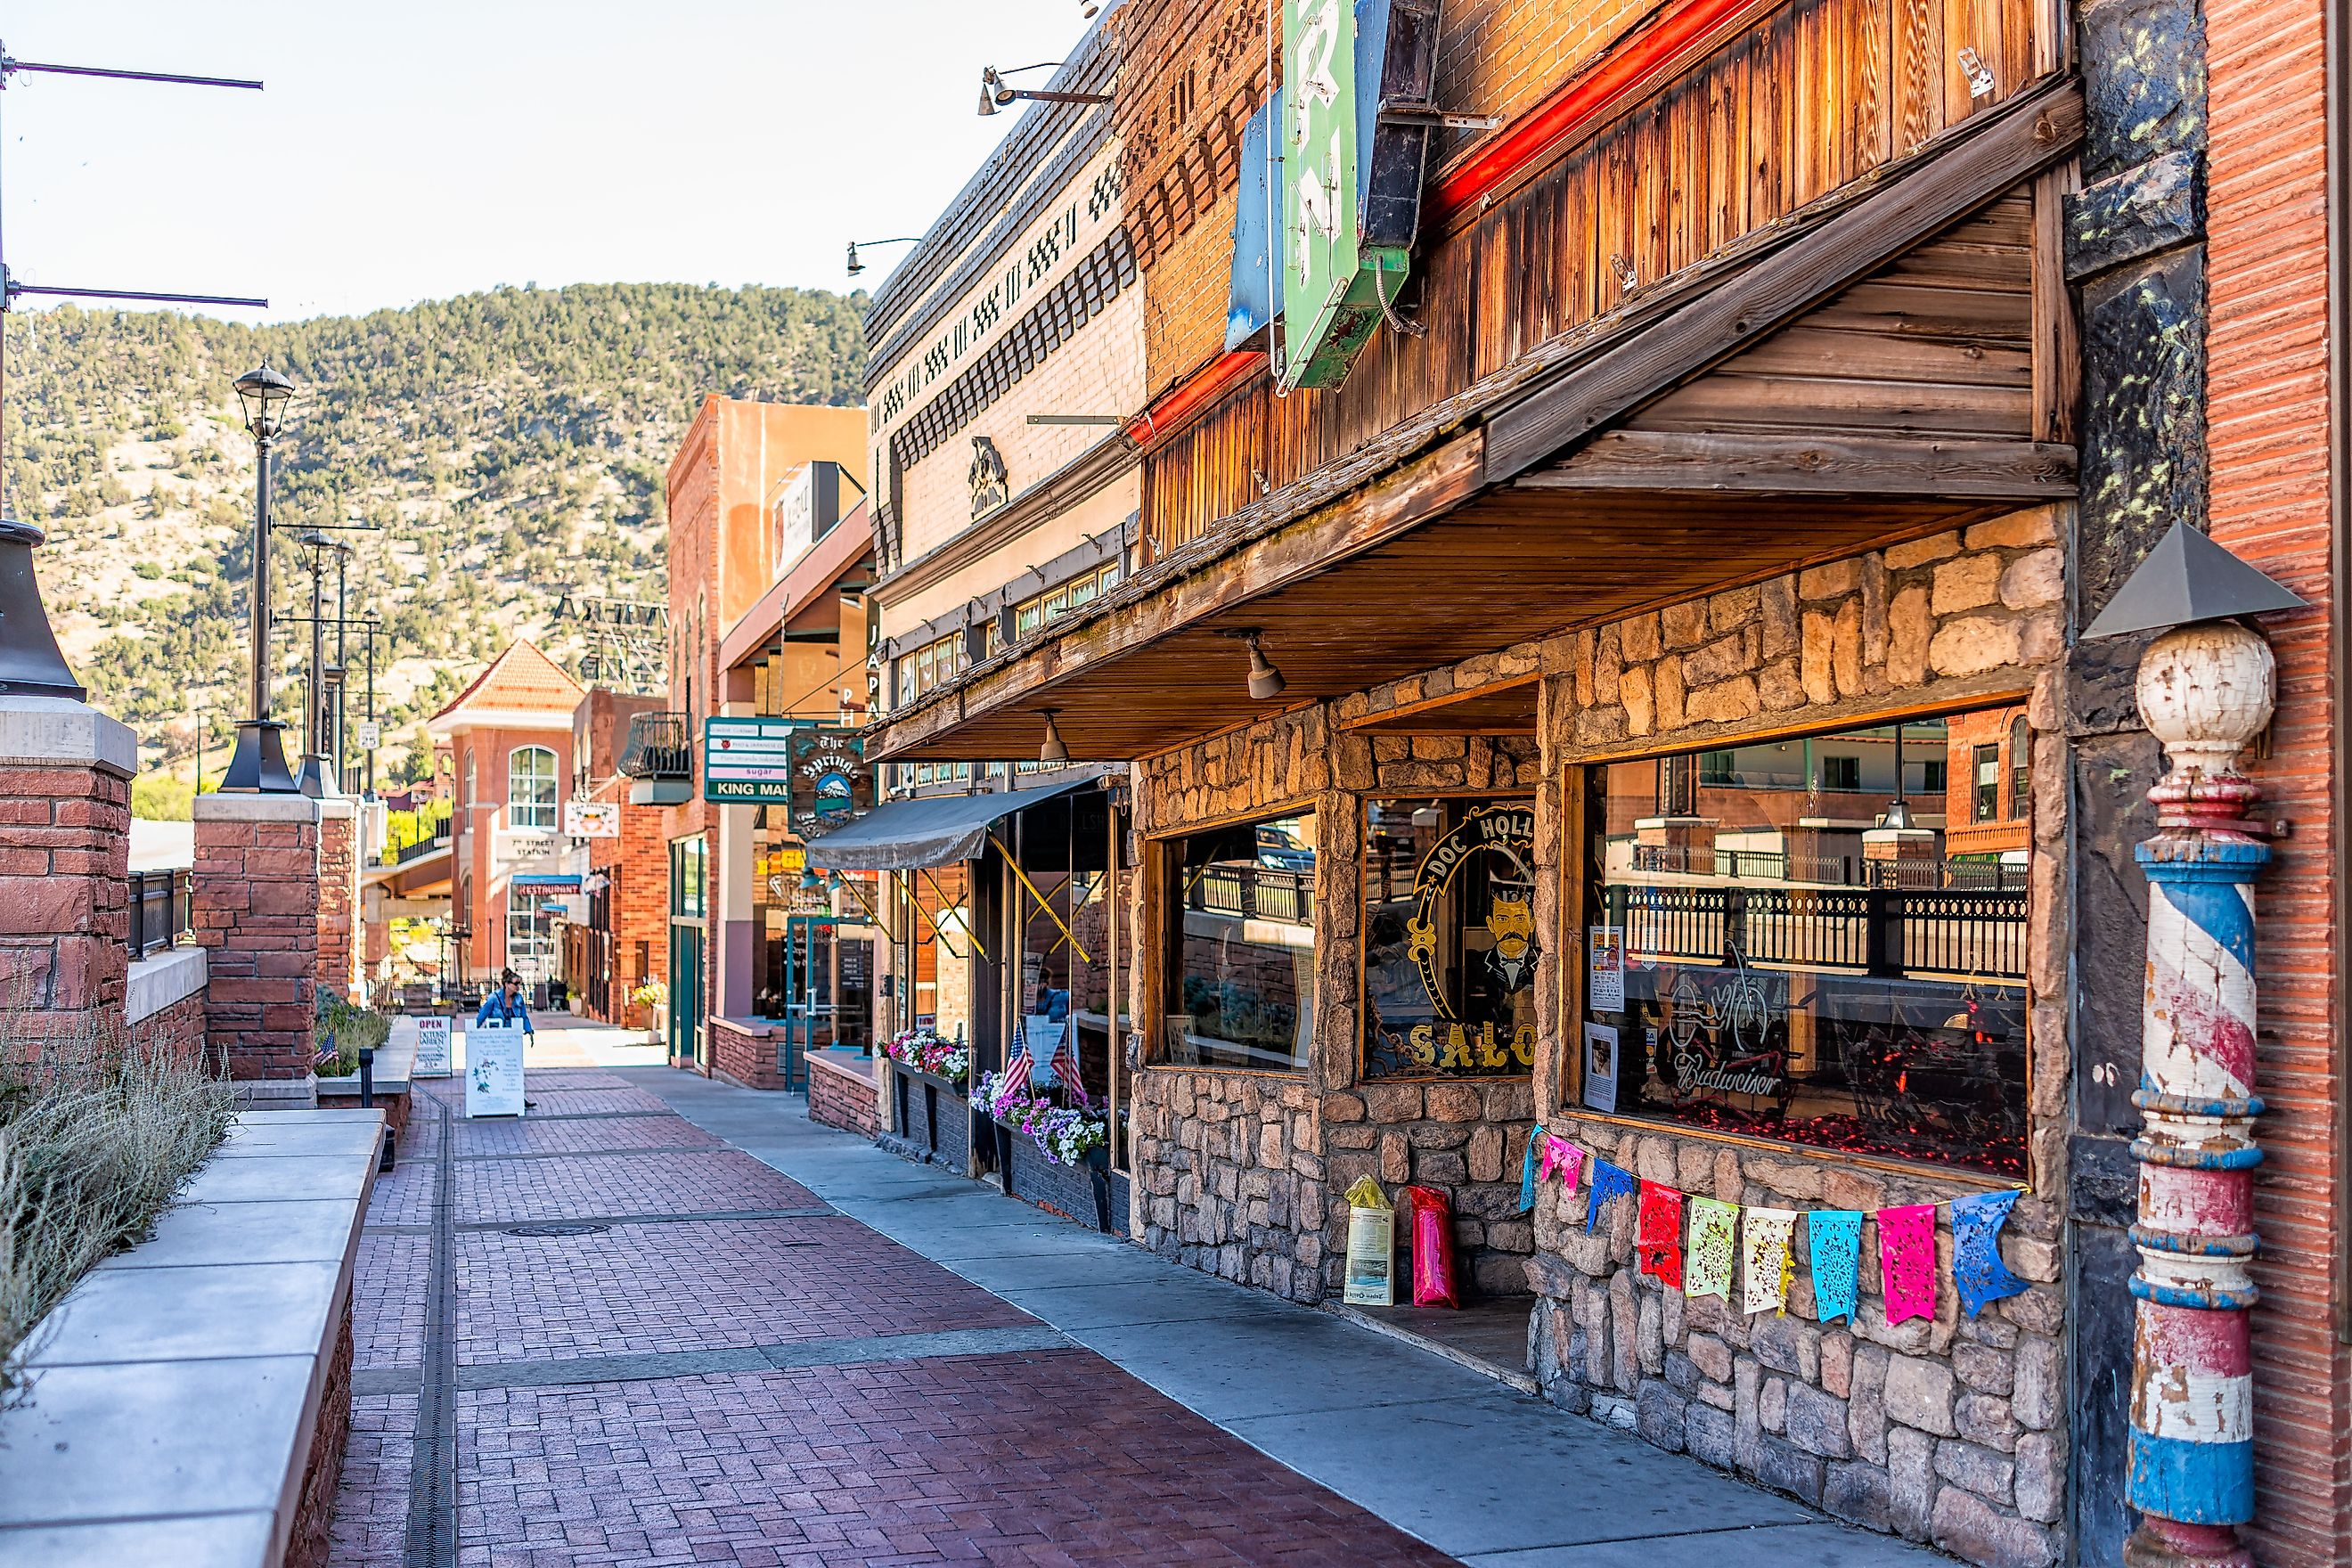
748 762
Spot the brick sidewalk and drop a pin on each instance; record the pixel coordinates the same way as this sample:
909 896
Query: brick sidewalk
729 1371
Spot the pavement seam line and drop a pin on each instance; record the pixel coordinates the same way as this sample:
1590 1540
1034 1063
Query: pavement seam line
432 1537
791 1355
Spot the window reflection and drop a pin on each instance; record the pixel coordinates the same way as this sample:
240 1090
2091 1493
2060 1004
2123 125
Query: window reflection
1242 946
1822 940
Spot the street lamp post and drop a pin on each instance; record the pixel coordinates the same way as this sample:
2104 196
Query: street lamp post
257 766
318 776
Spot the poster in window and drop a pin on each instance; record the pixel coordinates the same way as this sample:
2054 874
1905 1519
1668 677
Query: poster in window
1604 983
1450 944
1601 1068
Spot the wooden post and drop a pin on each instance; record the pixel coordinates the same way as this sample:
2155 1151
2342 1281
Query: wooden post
1117 1053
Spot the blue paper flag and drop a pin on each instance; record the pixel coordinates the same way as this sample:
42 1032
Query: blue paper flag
1527 1168
1608 1182
1835 1238
1976 1268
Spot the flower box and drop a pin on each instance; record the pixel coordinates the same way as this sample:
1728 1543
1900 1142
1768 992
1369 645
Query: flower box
1080 1193
931 1116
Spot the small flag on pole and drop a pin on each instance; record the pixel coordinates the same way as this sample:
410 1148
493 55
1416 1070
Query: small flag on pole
1016 1077
1066 1068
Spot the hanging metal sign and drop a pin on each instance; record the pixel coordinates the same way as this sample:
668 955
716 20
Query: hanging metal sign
748 762
832 783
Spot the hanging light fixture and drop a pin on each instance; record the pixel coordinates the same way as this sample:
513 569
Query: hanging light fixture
858 263
1053 750
1265 682
994 95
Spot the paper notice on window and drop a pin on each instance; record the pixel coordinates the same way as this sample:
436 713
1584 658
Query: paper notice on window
1604 957
432 1048
1601 1068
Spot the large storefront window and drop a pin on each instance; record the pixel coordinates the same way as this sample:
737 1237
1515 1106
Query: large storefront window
1450 944
530 931
1241 959
1785 944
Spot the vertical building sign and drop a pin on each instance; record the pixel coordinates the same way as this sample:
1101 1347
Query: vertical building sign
1318 184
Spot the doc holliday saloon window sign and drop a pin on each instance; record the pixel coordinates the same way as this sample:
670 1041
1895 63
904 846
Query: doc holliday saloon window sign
1450 946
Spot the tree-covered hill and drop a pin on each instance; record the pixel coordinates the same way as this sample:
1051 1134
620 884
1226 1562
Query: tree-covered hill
509 448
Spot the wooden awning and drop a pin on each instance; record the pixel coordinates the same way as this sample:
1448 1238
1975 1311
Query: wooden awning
1854 387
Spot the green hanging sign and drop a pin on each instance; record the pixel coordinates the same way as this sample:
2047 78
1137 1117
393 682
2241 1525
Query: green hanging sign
1333 280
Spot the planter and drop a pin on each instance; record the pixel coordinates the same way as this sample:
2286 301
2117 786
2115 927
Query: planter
932 1117
1080 1193
1123 1200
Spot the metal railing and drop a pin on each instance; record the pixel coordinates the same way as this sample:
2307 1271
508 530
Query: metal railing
424 847
161 910
1889 931
1923 874
1254 892
658 747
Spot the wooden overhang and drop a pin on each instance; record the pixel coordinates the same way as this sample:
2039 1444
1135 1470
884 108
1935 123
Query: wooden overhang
1861 377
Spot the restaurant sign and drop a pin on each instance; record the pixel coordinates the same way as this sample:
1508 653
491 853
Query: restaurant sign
748 762
832 782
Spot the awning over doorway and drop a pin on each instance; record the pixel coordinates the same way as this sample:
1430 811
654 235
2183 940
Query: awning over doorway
909 834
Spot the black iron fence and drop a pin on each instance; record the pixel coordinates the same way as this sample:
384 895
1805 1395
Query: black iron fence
659 746
424 847
1925 874
160 910
1877 930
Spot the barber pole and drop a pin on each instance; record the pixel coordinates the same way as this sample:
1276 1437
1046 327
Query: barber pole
2205 691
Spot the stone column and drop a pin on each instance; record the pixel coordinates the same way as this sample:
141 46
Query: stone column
65 846
257 912
2205 691
339 893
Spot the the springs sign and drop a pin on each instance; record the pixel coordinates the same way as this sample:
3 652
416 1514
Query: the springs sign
832 783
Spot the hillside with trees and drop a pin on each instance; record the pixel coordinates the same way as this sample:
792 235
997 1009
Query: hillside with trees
505 448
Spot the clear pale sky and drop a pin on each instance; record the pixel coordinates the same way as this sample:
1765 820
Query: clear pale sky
430 148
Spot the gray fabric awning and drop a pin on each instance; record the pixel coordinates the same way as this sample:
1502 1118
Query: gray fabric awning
908 834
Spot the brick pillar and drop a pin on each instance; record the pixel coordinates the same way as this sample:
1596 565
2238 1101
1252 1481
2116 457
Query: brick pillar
65 849
339 893
257 912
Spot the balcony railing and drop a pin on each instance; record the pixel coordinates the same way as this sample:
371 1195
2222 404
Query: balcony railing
160 910
658 747
423 846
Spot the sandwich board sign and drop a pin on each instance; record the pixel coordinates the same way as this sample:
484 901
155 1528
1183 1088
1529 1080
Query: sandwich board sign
494 1068
432 1048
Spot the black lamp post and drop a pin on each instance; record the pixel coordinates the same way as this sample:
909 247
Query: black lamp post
30 664
318 777
259 765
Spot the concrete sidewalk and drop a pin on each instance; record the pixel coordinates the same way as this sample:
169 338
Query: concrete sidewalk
1491 1476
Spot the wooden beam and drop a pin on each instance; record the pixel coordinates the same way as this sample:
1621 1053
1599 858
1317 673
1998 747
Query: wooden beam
1985 157
1370 516
1696 461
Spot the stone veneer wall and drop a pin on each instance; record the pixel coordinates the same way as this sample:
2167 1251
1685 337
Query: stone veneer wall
1947 1430
65 836
743 1053
256 898
1944 1430
339 893
177 1029
1240 1174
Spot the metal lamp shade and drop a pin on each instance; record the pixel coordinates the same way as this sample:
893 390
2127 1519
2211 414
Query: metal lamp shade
262 392
30 662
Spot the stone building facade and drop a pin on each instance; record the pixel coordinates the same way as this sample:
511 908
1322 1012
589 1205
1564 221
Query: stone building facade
1950 1430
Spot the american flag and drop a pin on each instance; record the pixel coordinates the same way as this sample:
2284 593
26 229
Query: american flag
1016 1074
1066 1068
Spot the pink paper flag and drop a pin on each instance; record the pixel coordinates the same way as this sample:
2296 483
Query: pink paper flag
1559 1154
1906 1258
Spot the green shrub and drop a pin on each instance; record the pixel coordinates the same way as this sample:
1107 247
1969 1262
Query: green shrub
160 798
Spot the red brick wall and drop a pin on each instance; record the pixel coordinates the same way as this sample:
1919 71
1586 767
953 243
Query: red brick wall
64 901
2267 432
489 749
176 1029
636 866
842 1097
338 899
741 1056
257 908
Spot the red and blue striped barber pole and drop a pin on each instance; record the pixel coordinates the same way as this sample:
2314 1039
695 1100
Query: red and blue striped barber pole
2192 1452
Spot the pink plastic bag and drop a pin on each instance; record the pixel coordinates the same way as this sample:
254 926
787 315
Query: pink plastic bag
1432 1248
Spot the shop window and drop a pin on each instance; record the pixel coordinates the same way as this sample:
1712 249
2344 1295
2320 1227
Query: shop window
1239 964
1931 776
530 931
530 789
1450 944
2020 782
1823 979
686 879
1986 803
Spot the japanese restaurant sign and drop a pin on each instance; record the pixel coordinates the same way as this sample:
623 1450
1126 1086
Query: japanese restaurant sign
748 762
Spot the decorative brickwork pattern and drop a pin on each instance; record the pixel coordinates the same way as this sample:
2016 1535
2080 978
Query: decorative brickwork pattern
256 910
839 1095
65 839
338 896
176 1029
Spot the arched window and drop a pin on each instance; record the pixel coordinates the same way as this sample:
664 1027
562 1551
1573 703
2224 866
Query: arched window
531 788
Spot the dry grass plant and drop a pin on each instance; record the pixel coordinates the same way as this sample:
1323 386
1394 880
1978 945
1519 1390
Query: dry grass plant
96 1133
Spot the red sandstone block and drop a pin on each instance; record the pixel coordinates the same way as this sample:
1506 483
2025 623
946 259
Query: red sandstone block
74 781
27 862
288 864
102 814
23 811
296 899
45 906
